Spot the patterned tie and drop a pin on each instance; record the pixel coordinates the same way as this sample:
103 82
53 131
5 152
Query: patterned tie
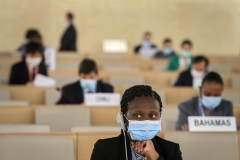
33 73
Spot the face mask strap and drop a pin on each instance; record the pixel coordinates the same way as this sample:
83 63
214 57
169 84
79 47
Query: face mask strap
126 117
127 120
125 143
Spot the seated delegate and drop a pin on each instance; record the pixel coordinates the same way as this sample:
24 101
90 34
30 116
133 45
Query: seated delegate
146 47
24 72
28 36
167 50
183 60
48 52
141 110
88 83
209 102
193 77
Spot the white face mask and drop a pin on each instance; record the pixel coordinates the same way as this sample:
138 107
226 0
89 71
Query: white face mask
32 62
196 73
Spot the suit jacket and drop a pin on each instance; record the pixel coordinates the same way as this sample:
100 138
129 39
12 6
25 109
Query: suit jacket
73 93
160 54
69 39
185 79
138 48
19 72
173 63
190 108
114 149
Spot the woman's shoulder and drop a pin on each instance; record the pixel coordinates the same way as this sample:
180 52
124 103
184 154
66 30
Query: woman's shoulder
226 102
106 148
167 148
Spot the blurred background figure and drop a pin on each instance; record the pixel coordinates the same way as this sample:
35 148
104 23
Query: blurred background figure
208 103
183 60
69 38
89 83
25 71
146 46
30 34
167 50
49 52
193 77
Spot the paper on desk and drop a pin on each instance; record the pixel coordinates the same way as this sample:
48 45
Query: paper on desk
43 81
50 57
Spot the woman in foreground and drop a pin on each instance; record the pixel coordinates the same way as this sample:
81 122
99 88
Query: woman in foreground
139 119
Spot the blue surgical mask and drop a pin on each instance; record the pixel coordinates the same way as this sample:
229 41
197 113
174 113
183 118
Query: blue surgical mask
146 43
185 53
88 86
167 50
143 130
211 102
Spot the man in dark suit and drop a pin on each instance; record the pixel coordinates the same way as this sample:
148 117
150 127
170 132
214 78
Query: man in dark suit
167 50
69 38
146 44
89 83
32 64
193 77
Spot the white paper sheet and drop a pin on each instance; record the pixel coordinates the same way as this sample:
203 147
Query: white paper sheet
43 81
50 58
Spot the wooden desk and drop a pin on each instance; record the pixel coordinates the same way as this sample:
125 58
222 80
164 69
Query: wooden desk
135 61
162 79
72 135
99 116
36 95
84 142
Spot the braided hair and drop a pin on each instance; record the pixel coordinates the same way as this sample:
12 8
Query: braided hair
138 91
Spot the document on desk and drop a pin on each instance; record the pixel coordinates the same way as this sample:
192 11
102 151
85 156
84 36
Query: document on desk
43 81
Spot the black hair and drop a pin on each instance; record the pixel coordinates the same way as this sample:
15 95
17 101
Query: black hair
138 91
70 15
33 47
167 40
188 42
198 59
213 77
87 66
38 36
30 33
147 33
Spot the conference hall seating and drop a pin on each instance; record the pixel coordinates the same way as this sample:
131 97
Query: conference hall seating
29 116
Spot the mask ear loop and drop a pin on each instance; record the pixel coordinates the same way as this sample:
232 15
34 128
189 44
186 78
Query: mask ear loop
125 143
126 153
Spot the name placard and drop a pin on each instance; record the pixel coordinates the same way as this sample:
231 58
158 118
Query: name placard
102 99
212 124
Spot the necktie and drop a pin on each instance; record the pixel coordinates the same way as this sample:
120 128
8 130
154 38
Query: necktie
33 73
